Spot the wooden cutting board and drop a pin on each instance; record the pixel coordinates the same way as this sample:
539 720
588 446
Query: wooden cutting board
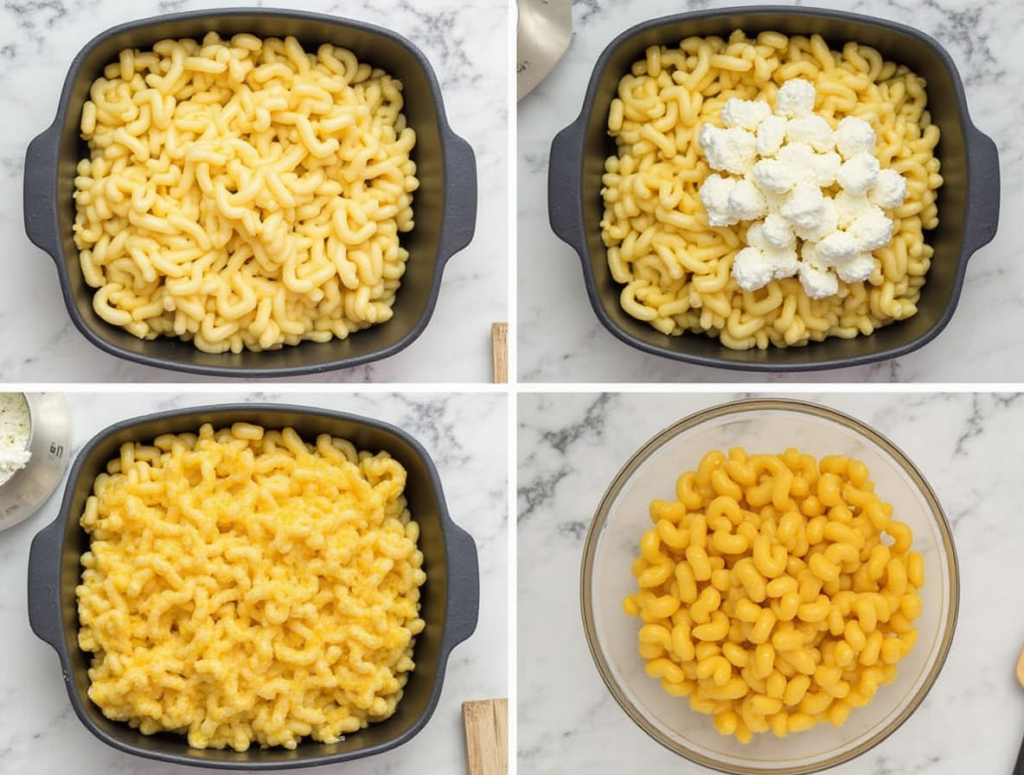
499 351
486 736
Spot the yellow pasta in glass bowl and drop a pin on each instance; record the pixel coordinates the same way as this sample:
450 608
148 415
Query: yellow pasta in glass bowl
781 594
677 264
768 595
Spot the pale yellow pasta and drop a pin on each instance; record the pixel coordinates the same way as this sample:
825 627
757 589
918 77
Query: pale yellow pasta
675 268
244 194
776 591
243 586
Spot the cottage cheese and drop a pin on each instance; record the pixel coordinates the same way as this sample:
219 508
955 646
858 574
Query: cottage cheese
795 99
786 167
818 282
813 130
745 114
889 190
857 270
15 432
715 196
854 135
858 174
732 150
872 229
771 133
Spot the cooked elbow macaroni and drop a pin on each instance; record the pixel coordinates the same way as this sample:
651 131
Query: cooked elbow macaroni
675 268
768 595
243 193
242 586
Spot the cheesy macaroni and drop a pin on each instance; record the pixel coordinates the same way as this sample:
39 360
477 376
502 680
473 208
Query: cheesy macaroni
675 268
244 193
776 591
242 586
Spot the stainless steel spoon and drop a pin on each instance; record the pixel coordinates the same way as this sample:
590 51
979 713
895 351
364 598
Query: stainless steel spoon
545 28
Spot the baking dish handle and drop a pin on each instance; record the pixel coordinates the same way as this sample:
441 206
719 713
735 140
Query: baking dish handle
983 195
565 178
44 583
463 586
40 184
460 218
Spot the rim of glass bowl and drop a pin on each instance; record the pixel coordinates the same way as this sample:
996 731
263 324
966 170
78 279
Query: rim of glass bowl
739 407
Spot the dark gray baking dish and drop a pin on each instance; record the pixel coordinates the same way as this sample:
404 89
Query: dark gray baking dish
450 597
445 205
968 202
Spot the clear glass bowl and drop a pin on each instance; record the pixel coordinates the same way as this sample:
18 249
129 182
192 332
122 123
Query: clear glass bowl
612 543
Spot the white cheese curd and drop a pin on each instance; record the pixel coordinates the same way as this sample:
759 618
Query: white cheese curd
746 202
731 150
745 114
751 269
889 190
771 133
817 281
784 260
15 432
854 135
858 173
778 232
804 206
849 208
857 270
822 227
800 158
714 194
825 167
774 176
872 230
795 98
837 248
813 130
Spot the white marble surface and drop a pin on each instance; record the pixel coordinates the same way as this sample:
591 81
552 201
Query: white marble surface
985 340
467 46
466 437
966 445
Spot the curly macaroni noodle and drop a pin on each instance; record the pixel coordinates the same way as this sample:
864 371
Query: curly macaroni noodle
242 586
244 194
768 595
675 268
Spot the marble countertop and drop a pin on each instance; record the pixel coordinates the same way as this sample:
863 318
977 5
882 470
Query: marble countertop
966 445
464 434
984 341
467 47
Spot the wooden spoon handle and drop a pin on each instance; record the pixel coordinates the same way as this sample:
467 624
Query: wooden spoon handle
1018 768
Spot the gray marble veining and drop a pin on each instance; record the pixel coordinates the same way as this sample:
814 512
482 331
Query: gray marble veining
466 437
985 340
467 47
967 445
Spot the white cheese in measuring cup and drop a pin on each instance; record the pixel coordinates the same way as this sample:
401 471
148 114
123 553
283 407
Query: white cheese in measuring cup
15 431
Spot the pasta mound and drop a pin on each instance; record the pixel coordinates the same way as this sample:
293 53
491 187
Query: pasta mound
675 268
776 591
244 194
244 587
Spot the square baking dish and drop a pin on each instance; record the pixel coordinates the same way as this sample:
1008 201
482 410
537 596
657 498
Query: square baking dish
968 202
450 597
444 206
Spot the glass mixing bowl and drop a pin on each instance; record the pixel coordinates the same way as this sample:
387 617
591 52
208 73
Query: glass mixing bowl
612 543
